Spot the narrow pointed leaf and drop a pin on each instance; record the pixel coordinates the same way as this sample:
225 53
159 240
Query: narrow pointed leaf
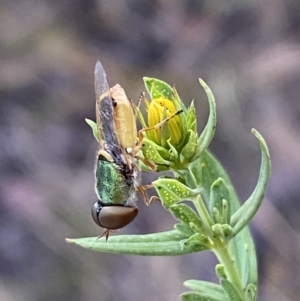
171 191
172 151
247 265
157 244
140 117
94 127
213 289
209 130
191 118
245 213
193 174
195 239
231 291
189 149
195 296
180 106
218 193
187 215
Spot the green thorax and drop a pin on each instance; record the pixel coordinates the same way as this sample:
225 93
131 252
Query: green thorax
112 186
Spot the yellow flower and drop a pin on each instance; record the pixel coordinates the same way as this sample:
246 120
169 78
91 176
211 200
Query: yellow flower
159 110
170 137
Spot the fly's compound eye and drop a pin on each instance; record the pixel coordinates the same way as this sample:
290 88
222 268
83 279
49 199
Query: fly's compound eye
114 103
113 217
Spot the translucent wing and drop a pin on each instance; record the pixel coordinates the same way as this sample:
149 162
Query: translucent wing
104 109
101 84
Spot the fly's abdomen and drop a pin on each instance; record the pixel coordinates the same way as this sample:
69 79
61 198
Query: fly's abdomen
111 186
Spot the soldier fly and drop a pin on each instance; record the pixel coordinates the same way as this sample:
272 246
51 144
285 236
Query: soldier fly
117 171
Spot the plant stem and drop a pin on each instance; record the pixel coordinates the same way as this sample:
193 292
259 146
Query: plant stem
218 246
224 258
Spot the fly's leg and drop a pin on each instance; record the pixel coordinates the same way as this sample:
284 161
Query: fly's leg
147 162
136 109
106 233
142 190
155 127
153 198
160 124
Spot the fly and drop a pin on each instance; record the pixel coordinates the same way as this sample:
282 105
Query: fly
117 170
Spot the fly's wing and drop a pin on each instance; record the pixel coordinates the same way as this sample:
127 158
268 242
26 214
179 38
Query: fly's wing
104 109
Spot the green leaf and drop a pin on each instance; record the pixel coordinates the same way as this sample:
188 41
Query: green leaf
195 296
220 270
155 153
247 263
193 174
209 130
185 229
218 230
171 191
189 149
187 215
212 289
245 213
226 229
157 244
216 215
195 239
191 118
218 193
180 106
222 230
251 292
231 291
140 117
94 127
172 151
157 88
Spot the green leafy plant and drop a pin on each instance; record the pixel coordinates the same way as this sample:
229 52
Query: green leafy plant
200 196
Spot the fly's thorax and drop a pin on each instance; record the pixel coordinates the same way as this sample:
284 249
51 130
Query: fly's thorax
125 121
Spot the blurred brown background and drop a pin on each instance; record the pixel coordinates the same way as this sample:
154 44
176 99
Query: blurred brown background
249 54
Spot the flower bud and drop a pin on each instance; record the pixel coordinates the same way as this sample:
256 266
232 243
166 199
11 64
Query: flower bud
159 109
